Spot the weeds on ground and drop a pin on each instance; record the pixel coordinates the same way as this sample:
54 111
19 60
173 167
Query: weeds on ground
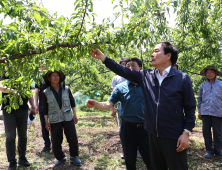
99 146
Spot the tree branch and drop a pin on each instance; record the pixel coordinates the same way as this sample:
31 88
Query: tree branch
199 57
83 19
81 77
52 47
28 53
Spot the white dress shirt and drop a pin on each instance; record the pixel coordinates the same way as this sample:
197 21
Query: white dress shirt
164 74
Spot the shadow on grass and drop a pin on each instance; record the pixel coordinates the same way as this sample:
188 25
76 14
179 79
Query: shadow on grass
86 124
46 156
197 161
94 121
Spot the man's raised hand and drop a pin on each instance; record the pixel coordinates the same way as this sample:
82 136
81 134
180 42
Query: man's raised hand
90 103
97 54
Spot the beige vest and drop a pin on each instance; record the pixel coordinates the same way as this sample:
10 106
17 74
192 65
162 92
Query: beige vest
55 114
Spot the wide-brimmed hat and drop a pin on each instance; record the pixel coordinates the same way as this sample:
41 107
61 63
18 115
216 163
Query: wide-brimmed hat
61 75
203 72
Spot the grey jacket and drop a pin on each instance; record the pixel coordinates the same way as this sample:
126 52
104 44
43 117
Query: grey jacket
209 100
55 114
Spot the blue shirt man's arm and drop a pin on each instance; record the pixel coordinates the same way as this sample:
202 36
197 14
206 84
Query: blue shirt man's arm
114 98
189 104
131 75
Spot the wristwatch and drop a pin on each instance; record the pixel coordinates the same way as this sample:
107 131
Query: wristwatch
33 107
188 132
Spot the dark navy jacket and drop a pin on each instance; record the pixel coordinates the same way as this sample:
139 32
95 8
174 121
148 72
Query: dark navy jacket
169 108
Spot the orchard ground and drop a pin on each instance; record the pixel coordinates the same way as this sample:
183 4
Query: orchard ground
99 146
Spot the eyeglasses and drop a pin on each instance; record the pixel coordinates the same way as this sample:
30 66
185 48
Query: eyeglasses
131 65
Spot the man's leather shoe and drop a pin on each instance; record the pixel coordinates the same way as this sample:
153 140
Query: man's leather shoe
60 162
23 162
46 148
12 165
75 160
208 155
122 155
219 155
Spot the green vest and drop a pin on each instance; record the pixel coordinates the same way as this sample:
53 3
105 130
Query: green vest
55 114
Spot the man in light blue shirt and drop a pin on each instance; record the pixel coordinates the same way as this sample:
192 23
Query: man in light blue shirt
210 110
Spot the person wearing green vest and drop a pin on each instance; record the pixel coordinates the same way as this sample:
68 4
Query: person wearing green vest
57 103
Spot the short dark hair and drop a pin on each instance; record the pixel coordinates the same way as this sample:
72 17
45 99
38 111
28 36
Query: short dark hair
169 48
139 62
176 66
123 59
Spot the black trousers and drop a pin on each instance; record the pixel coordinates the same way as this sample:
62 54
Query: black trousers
45 132
216 123
57 138
163 154
17 119
131 138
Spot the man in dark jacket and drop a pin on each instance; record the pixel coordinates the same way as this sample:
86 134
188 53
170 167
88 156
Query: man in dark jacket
169 105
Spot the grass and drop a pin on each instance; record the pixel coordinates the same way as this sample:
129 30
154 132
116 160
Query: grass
196 161
99 146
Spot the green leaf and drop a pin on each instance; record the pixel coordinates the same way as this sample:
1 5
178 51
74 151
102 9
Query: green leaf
37 17
44 22
19 79
115 7
94 46
64 28
175 3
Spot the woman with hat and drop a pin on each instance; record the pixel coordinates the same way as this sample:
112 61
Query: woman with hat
210 110
57 104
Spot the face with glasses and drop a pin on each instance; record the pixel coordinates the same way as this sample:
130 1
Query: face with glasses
133 65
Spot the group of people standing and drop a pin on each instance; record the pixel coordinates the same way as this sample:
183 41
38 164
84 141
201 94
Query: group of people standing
57 112
169 109
156 112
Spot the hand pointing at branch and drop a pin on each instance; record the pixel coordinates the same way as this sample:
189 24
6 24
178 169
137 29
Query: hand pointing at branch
97 54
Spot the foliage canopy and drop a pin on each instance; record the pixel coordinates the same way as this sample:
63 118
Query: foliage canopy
36 36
